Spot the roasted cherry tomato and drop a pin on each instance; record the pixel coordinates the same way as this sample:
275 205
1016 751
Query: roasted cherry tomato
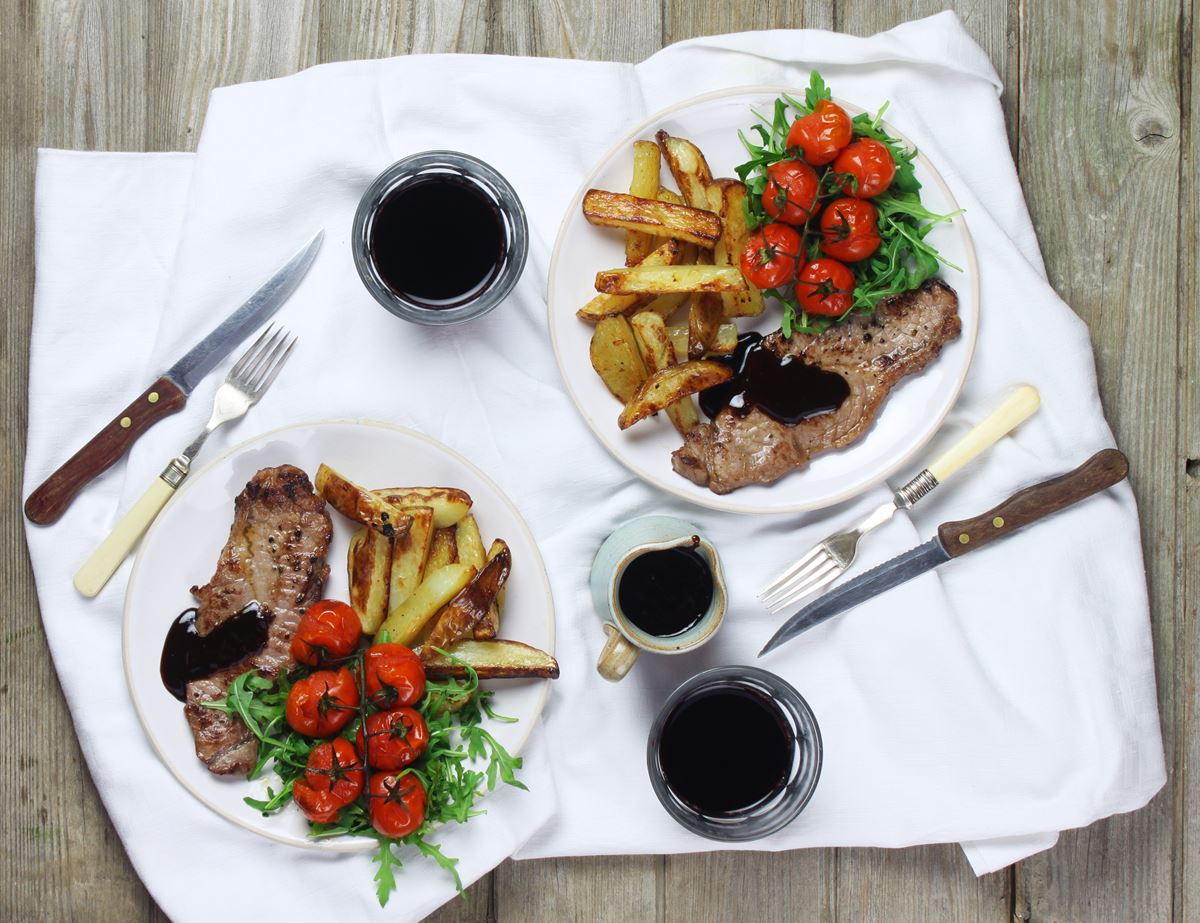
822 133
826 287
335 767
394 675
320 705
321 807
771 256
394 738
850 229
791 192
871 166
397 803
329 630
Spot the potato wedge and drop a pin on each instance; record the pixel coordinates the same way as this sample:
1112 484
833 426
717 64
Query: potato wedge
368 563
458 619
669 195
662 389
727 337
444 549
728 252
360 504
664 305
469 542
449 504
704 322
492 660
410 556
689 168
658 353
488 627
668 253
644 185
662 280
404 623
663 219
616 359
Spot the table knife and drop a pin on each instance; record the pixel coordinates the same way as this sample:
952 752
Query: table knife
954 539
169 393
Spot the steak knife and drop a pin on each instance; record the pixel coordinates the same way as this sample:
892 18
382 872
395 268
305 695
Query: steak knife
954 539
167 395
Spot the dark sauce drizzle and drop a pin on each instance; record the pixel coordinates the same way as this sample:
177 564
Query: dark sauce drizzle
186 655
788 390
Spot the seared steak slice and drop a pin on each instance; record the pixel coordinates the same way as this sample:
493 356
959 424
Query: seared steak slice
275 556
872 353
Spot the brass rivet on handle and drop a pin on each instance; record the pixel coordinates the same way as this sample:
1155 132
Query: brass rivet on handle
998 522
963 538
152 397
126 423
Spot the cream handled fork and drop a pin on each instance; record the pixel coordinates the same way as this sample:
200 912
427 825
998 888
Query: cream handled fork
824 563
246 382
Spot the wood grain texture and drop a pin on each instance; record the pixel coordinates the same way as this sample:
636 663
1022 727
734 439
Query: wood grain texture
1112 79
1129 56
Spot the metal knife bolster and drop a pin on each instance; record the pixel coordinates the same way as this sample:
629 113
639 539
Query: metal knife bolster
898 570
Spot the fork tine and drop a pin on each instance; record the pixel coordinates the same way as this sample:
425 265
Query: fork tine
790 572
788 590
811 561
240 365
262 360
264 363
269 376
817 581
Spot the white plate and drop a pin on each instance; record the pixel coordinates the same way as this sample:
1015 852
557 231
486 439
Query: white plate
910 416
181 549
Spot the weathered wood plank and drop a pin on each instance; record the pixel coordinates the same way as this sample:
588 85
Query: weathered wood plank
73 76
683 19
797 887
1186 904
351 29
1102 181
624 888
613 30
195 47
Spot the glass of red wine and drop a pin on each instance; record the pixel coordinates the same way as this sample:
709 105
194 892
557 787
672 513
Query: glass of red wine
746 784
440 238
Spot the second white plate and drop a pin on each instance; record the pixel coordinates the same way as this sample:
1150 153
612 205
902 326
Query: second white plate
910 416
181 549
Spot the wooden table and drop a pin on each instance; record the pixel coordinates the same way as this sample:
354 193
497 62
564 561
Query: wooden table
1102 124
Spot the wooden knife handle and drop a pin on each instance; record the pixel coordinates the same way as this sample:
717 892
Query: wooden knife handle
51 500
1027 506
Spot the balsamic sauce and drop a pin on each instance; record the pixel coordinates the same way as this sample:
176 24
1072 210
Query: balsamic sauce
788 390
709 774
666 592
438 240
187 655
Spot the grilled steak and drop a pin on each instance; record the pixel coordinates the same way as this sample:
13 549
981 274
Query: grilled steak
741 447
275 556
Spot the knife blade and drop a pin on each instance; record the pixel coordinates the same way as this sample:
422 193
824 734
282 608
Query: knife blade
955 539
170 392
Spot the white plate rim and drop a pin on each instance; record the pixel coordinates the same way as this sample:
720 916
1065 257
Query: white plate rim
720 501
333 845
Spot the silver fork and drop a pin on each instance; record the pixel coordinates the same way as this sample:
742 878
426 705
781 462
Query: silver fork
246 382
829 559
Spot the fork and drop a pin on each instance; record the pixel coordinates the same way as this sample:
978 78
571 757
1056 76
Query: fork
246 382
829 559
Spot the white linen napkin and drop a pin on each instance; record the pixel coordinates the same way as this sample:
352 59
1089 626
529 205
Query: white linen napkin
1005 697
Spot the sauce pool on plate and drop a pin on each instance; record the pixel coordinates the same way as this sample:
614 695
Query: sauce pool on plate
187 655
